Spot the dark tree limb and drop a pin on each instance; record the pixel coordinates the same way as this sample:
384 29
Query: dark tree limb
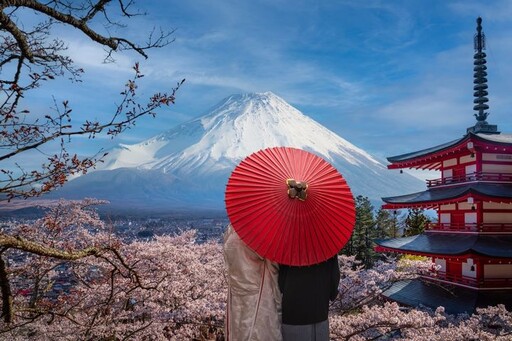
5 289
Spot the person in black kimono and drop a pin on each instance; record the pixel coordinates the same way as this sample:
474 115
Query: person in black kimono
306 292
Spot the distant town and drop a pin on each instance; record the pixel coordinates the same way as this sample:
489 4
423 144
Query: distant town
147 228
127 229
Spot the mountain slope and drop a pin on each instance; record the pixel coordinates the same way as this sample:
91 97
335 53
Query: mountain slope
188 166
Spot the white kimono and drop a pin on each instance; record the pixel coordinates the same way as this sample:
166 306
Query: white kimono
254 300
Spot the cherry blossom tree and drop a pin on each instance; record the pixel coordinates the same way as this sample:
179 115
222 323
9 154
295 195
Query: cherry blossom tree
31 57
70 239
360 286
389 321
102 288
76 279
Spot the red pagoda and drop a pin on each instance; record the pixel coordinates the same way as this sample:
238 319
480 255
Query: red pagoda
471 244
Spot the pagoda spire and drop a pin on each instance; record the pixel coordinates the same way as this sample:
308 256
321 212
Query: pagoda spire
480 88
480 74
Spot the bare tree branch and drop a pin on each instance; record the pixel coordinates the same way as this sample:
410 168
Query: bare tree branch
32 57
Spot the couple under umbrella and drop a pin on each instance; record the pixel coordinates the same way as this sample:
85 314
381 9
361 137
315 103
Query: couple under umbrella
290 213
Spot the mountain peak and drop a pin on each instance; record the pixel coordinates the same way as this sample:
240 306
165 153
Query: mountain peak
255 96
198 156
249 104
236 127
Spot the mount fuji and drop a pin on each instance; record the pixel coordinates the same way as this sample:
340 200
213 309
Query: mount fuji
187 167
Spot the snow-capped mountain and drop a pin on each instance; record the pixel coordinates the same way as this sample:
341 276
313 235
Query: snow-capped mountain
189 165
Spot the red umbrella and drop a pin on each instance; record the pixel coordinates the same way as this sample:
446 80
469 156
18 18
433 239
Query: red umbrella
290 206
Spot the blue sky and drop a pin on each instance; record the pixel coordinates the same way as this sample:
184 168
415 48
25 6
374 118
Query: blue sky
389 76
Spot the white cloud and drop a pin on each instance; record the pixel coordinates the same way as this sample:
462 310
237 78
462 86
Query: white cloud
374 70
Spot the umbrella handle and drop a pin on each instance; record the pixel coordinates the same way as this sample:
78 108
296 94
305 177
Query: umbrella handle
297 189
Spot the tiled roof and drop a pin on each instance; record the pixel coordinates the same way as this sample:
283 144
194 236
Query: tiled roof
452 244
462 300
441 194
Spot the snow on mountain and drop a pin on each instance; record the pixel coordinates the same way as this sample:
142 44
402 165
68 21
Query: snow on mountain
194 160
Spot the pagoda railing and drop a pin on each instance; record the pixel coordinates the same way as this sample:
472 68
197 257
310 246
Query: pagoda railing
470 227
477 176
469 281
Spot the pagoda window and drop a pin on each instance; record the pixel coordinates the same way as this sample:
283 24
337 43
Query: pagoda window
441 264
469 268
448 174
471 172
470 218
445 219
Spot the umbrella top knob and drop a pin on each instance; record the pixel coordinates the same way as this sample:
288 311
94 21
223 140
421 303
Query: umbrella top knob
297 189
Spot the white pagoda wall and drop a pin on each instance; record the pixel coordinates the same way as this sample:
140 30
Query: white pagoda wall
497 218
497 206
501 163
449 163
466 159
496 168
497 270
441 263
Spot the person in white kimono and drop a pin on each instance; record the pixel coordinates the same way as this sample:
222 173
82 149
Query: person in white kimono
254 300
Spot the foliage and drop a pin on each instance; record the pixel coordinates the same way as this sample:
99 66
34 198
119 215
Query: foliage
388 224
173 288
391 322
32 57
414 257
416 222
70 239
360 286
361 243
169 287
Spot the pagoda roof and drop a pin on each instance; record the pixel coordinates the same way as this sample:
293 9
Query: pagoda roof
451 244
431 158
451 194
418 293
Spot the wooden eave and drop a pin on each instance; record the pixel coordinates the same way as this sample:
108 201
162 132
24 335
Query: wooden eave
433 198
450 245
432 158
464 256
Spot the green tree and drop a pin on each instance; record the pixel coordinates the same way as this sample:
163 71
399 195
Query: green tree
415 222
388 224
361 243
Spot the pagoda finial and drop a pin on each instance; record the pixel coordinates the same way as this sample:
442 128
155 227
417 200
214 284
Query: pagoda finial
480 75
479 36
480 81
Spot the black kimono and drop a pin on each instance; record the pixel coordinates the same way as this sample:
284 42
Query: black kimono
307 291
